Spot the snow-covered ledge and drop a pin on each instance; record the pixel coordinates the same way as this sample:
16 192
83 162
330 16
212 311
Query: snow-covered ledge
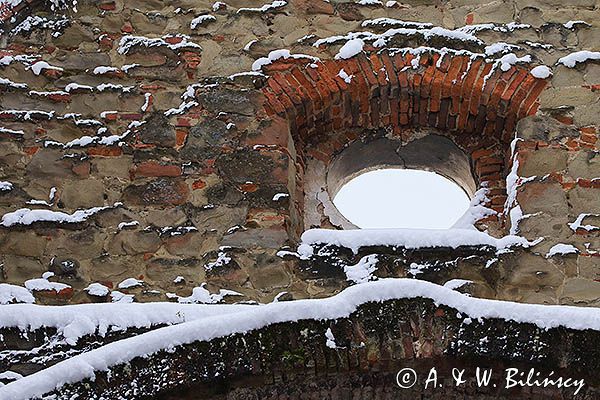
406 238
343 305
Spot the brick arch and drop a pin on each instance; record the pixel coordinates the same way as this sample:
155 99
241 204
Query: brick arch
471 101
456 93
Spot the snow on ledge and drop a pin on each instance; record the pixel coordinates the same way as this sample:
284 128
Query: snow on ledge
342 305
354 239
26 216
574 58
278 54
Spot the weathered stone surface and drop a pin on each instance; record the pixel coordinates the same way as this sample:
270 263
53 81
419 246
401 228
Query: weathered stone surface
84 193
133 242
159 192
158 131
581 291
544 128
542 162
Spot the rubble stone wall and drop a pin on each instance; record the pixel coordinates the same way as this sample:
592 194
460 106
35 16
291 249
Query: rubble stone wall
132 107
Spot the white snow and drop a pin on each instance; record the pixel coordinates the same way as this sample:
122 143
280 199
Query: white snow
127 224
363 271
330 339
41 284
278 54
351 48
101 70
130 283
249 44
508 60
97 289
265 8
573 24
573 59
456 283
499 47
11 131
369 2
222 260
128 42
119 297
561 248
10 375
201 295
476 211
354 239
14 294
344 75
541 72
39 66
201 20
11 84
75 321
395 23
5 186
578 223
217 5
279 196
253 317
26 216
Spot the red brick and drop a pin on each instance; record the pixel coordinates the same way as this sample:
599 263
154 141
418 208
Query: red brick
155 169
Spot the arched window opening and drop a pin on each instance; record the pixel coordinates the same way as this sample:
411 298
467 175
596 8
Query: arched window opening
401 198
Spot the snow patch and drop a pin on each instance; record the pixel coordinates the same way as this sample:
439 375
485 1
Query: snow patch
541 72
577 57
351 48
14 294
561 249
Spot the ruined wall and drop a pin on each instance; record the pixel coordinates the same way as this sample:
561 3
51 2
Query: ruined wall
139 108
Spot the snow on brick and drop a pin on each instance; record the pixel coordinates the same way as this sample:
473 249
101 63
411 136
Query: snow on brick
344 75
577 57
43 284
541 72
279 54
562 249
39 66
351 48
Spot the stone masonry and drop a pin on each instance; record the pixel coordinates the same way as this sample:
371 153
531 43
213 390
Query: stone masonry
193 169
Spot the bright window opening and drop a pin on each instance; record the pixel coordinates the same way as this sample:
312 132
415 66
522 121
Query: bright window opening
401 198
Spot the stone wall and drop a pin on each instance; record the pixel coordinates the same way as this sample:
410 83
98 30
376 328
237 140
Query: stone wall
292 360
188 156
